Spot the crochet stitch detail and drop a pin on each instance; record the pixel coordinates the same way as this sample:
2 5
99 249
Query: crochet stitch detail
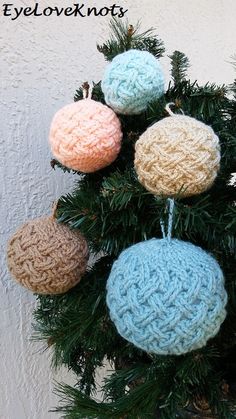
47 257
85 136
166 297
177 155
131 81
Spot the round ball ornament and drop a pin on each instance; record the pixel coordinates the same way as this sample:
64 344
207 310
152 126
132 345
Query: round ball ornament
85 136
178 155
47 257
167 297
131 81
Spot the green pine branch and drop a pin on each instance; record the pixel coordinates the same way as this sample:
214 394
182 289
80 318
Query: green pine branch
179 67
161 389
124 37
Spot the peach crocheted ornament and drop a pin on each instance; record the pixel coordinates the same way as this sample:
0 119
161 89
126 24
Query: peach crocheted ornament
85 136
177 156
47 257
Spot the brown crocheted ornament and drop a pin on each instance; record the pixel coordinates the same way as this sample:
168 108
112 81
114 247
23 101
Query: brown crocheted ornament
47 257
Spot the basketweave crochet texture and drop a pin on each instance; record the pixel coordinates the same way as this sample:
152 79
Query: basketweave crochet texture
166 297
177 155
131 81
85 136
47 257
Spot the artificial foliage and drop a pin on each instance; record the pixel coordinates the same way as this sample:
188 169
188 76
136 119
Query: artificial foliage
113 211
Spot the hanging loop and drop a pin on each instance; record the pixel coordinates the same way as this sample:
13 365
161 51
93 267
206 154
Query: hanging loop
169 111
170 206
171 203
87 93
163 229
54 209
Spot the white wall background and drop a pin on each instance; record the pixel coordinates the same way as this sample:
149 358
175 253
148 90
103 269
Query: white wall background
42 62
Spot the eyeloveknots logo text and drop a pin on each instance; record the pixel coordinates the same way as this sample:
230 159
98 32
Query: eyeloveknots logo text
80 10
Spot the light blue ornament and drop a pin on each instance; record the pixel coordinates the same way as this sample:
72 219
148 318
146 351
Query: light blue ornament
131 81
166 296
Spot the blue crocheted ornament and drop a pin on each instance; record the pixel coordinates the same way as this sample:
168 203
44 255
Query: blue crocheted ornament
132 81
166 296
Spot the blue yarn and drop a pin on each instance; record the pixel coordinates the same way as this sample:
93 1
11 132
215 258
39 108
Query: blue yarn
166 296
171 204
131 81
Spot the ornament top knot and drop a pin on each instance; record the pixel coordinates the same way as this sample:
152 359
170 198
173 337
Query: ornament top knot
166 296
177 156
131 81
85 136
47 257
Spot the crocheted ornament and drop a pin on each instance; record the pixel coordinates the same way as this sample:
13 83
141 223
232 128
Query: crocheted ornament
47 257
85 136
177 156
166 297
131 81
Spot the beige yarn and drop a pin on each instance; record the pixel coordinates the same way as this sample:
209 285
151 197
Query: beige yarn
47 257
177 156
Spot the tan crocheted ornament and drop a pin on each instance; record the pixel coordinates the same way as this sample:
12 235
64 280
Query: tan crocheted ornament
177 156
47 257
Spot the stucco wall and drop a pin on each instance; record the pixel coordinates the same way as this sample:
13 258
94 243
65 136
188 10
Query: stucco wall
43 60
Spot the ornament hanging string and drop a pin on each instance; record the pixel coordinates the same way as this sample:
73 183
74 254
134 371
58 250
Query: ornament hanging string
171 205
54 209
87 92
169 111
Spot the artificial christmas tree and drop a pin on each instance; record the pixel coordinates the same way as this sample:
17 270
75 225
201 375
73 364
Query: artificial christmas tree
114 211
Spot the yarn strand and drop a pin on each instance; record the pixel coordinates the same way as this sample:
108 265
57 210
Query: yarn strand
87 93
54 209
169 111
171 205
163 228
